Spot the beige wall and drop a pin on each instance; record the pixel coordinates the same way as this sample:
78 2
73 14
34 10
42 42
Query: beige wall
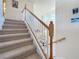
15 13
39 8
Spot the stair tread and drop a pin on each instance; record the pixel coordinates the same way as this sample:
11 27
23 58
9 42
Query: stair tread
8 43
14 20
14 25
33 56
16 52
14 30
6 35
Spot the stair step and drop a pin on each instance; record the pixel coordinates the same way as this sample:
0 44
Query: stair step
14 20
18 53
33 56
14 23
9 45
16 41
14 27
9 37
12 31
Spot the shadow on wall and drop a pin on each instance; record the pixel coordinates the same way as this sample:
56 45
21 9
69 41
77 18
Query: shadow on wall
1 16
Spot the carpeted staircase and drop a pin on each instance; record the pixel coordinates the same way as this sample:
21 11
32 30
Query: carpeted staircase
16 41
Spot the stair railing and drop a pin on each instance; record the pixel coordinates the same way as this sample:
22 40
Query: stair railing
42 32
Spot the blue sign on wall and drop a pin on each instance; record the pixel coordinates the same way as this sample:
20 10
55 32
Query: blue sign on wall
74 20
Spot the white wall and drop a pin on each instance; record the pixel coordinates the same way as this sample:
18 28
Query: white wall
69 48
43 7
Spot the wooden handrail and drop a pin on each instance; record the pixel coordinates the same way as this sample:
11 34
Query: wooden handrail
50 29
37 41
51 34
35 16
38 18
